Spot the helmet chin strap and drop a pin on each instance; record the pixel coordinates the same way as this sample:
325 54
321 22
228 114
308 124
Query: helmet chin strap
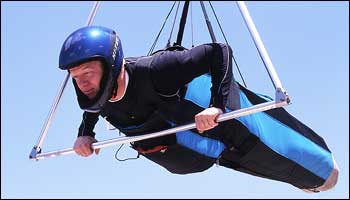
124 76
115 97
115 88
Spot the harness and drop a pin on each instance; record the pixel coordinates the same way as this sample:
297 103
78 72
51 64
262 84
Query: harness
165 150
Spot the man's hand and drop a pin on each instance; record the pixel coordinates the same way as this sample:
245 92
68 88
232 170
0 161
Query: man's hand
82 146
206 119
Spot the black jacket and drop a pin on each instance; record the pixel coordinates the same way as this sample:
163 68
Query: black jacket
156 88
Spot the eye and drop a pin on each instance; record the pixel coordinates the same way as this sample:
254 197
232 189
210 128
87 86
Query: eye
76 78
88 74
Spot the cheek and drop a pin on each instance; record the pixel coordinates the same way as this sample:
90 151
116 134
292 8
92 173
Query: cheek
98 79
96 82
79 83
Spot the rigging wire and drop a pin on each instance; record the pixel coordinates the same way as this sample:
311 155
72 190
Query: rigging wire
191 24
168 43
155 41
217 20
172 28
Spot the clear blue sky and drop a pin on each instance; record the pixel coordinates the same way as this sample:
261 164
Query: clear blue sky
308 42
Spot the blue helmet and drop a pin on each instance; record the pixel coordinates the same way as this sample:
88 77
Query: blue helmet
92 43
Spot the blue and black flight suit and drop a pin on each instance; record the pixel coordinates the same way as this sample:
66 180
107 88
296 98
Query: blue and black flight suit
155 100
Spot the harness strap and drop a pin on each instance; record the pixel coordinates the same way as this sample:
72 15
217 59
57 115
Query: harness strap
161 148
231 155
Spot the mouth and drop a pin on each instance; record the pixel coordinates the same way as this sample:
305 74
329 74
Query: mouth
88 92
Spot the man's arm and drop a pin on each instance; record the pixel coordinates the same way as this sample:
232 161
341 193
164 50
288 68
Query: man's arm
173 69
86 135
88 123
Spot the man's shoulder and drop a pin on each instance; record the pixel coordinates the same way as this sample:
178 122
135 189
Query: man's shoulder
135 59
132 59
133 63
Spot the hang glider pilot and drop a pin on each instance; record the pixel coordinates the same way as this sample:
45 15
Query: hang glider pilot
146 94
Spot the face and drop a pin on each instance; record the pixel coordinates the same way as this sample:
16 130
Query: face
88 77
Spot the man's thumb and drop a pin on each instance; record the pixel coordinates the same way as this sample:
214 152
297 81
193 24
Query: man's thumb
97 151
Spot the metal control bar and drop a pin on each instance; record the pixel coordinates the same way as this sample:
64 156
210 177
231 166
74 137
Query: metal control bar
121 140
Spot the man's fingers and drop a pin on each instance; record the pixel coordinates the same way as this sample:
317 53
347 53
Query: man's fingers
211 123
205 122
77 151
87 149
83 150
80 152
207 119
82 146
199 124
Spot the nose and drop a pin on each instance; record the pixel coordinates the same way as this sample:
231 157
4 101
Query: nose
83 83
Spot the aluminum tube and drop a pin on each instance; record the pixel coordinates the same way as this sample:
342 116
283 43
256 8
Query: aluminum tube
93 13
230 115
259 44
52 112
210 28
47 123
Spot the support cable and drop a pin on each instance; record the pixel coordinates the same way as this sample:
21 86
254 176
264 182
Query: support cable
172 28
234 59
157 37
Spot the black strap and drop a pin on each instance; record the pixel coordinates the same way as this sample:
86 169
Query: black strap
231 156
248 144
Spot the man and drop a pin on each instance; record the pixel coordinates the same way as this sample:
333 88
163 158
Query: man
140 95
